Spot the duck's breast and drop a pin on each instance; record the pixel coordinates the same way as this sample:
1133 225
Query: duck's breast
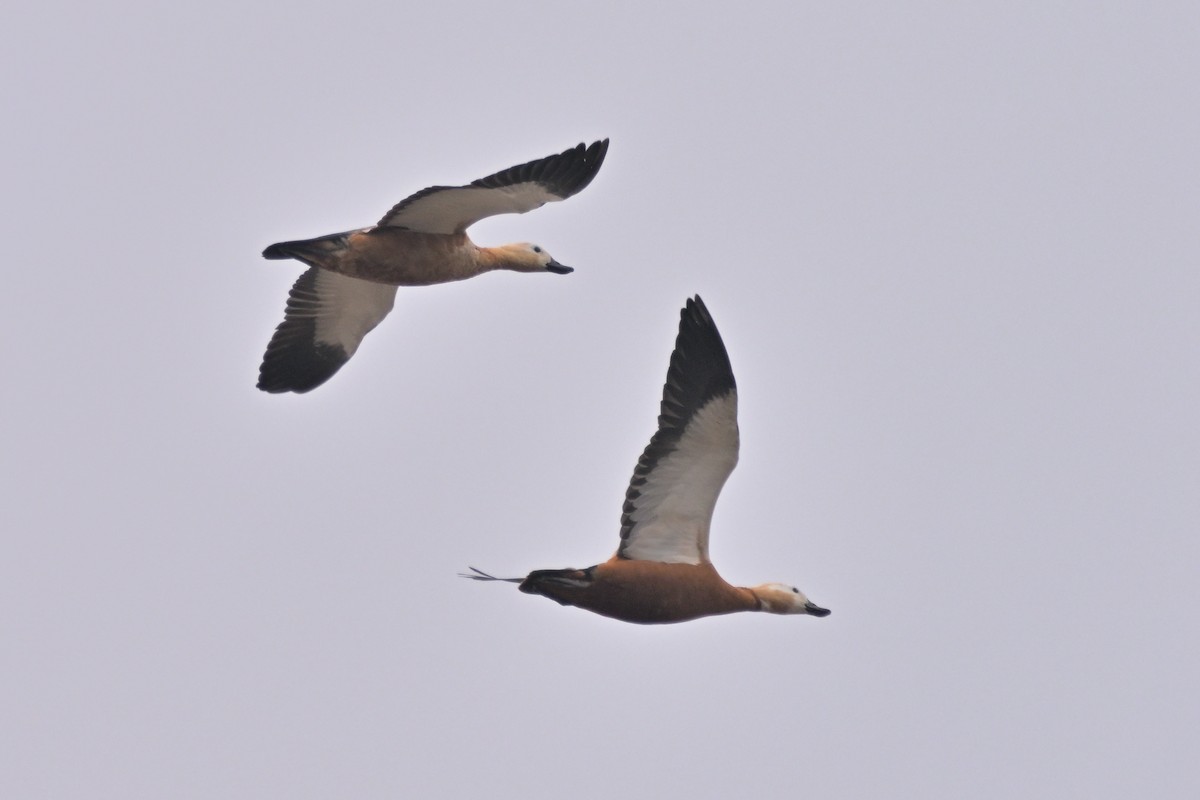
651 592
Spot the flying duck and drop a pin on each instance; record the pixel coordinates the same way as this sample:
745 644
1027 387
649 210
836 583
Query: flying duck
351 281
661 571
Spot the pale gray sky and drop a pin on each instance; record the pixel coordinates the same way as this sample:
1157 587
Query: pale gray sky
954 256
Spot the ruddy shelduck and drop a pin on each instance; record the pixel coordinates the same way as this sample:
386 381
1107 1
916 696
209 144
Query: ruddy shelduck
661 571
351 282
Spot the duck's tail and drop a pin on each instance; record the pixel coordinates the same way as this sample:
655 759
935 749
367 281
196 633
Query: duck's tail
546 581
314 252
480 575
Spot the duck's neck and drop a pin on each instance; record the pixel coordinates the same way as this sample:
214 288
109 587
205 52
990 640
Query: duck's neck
510 257
754 602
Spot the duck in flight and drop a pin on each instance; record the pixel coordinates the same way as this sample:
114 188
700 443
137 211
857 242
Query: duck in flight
661 571
351 281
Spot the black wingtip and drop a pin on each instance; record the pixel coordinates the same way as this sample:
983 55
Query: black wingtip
588 166
296 365
294 361
565 174
694 307
700 353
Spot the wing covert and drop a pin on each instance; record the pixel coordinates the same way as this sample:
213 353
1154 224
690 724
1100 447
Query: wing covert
326 318
675 485
453 209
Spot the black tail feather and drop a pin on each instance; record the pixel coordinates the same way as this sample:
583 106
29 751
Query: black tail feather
310 251
541 579
480 575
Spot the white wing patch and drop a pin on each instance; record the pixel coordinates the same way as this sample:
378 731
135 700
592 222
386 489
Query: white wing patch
674 509
347 309
326 318
454 209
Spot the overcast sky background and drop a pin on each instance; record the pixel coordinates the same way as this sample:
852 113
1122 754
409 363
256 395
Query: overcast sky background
954 255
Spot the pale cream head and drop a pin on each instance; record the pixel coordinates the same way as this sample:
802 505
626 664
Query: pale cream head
779 598
528 257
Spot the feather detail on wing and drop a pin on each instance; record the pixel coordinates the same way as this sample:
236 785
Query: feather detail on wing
670 500
453 209
326 318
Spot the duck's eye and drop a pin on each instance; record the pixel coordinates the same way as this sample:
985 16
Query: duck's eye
795 590
537 249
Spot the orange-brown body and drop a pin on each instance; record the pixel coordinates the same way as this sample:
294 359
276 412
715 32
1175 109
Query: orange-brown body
647 592
399 257
405 258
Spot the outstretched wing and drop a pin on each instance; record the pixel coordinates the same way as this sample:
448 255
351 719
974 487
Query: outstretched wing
670 500
326 318
453 209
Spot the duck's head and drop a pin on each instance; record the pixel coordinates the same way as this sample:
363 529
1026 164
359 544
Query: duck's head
527 257
779 598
